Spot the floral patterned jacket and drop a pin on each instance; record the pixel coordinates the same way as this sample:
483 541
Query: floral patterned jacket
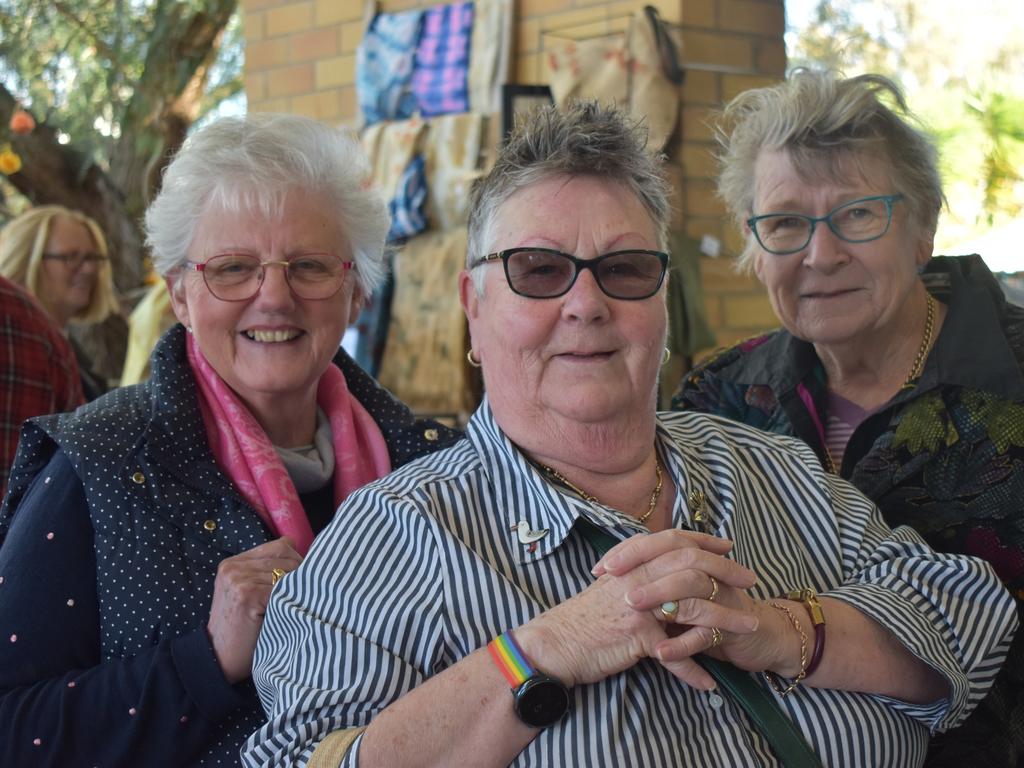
945 456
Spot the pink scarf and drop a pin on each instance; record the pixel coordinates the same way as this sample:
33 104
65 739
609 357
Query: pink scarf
244 451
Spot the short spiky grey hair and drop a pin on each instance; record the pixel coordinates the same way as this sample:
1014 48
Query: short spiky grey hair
824 121
251 163
585 139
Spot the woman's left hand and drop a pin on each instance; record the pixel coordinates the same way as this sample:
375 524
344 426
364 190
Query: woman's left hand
675 575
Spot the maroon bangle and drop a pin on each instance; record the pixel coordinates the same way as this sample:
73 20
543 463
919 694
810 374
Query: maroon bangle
810 600
819 648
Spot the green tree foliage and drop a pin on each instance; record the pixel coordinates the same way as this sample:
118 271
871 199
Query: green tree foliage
960 65
1001 117
114 86
836 39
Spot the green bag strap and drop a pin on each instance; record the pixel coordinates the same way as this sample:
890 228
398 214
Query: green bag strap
778 730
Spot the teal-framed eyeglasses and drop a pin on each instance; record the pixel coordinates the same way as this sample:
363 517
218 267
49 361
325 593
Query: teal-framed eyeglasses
858 221
544 273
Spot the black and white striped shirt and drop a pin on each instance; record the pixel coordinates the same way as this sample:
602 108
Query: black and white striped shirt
421 568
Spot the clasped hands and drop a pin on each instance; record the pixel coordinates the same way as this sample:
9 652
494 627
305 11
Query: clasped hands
617 620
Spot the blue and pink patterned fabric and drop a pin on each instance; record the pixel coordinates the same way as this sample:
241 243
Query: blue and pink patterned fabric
384 66
440 75
409 205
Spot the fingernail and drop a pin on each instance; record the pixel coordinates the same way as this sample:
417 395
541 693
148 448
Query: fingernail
751 623
634 597
611 562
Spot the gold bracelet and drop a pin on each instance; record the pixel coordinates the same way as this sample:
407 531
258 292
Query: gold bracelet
771 677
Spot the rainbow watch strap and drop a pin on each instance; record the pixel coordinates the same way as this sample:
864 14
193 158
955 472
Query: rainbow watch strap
510 659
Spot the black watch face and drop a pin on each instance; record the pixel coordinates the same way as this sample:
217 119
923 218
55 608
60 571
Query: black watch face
541 701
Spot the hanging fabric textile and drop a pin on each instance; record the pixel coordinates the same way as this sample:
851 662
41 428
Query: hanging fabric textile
384 66
440 77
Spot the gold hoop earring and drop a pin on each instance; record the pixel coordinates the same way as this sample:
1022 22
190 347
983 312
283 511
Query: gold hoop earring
472 360
666 355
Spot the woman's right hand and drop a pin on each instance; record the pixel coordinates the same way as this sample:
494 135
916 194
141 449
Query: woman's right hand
240 595
597 634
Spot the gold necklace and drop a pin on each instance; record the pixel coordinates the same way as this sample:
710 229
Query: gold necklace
915 370
926 342
591 499
830 465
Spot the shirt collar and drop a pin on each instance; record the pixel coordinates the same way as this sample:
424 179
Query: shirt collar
778 360
972 350
542 504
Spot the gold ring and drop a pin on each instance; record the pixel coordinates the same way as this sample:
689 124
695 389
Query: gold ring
275 575
714 589
669 609
716 637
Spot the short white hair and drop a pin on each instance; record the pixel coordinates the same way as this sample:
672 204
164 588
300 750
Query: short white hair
251 163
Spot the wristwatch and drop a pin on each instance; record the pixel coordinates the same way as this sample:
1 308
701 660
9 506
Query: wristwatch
539 700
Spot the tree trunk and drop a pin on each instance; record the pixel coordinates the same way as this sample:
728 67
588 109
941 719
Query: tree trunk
55 173
168 96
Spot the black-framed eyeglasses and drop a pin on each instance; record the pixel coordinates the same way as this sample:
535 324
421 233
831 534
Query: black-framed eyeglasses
858 221
239 276
544 273
75 260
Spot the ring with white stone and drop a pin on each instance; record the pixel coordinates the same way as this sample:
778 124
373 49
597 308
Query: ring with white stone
669 609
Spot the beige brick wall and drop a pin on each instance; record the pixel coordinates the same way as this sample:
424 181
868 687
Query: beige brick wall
300 58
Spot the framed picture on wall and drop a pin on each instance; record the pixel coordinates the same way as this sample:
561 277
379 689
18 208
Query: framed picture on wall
519 100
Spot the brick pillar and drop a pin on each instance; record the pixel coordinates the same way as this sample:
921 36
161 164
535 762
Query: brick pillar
733 45
300 56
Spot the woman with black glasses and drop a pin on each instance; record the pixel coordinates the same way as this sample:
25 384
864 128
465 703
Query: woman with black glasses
144 532
60 257
583 581
903 372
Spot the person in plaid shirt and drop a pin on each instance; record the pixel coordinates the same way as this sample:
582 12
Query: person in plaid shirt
38 372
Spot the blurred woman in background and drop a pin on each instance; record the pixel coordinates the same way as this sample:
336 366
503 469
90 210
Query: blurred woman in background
60 256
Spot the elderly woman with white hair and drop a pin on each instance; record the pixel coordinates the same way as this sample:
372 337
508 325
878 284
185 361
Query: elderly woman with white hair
144 532
585 581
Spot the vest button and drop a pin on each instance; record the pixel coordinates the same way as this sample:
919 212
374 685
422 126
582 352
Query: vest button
210 525
430 434
138 478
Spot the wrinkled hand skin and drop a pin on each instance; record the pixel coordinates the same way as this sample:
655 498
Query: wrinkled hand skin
616 621
240 594
756 636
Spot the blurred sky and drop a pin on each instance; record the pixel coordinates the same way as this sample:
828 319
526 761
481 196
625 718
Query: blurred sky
971 31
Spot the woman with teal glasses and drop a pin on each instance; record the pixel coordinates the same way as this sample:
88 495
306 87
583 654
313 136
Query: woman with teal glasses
902 371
